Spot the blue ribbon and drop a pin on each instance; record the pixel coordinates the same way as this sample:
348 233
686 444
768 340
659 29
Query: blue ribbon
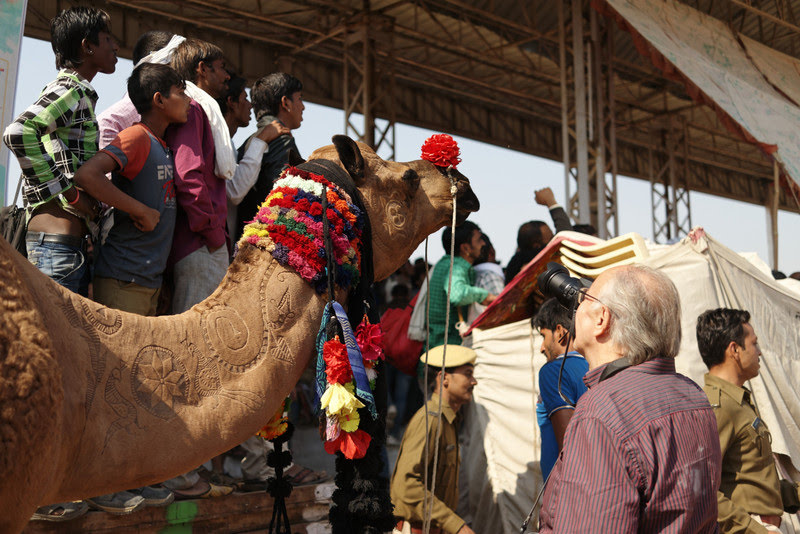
363 391
321 377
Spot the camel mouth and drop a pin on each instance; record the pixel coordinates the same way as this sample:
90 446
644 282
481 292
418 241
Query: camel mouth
463 211
461 217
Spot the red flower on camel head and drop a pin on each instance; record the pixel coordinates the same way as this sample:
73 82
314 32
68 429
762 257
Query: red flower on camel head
441 150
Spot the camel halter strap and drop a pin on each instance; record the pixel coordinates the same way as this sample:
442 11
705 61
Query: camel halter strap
330 269
428 500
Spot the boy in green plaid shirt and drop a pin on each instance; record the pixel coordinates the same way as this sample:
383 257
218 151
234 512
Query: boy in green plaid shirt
53 137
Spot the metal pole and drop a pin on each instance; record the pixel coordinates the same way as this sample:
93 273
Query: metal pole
687 199
774 199
672 203
392 104
584 200
369 89
562 57
600 133
612 131
346 88
651 175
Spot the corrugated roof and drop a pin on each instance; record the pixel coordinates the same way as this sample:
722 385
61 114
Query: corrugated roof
484 69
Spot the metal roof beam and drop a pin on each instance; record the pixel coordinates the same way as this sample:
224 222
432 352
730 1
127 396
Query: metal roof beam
763 14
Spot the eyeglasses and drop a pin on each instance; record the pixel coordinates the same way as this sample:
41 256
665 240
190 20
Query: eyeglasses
583 294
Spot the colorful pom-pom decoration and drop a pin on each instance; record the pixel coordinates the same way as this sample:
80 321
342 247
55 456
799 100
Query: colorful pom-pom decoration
370 340
441 150
289 226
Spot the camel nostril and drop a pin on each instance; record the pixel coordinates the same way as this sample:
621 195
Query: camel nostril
468 201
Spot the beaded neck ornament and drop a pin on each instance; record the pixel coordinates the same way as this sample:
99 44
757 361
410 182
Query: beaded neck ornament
289 225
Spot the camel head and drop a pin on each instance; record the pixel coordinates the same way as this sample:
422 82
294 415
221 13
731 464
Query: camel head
406 202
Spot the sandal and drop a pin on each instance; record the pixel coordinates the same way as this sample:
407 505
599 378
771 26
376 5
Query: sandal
305 476
217 491
200 488
61 511
252 485
221 479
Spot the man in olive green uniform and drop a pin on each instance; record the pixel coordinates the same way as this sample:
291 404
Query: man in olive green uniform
751 498
411 497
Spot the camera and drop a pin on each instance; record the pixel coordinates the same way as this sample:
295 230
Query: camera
556 282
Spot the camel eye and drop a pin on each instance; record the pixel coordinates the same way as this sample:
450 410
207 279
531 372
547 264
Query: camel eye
410 176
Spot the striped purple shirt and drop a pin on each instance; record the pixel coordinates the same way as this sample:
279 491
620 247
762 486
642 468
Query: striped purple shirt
641 454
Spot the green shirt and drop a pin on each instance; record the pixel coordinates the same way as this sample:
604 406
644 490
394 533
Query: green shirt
749 482
462 293
54 136
408 489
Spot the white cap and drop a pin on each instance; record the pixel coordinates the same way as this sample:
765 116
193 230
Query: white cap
455 357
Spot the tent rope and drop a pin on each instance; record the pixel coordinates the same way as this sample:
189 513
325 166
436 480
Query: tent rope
426 446
428 508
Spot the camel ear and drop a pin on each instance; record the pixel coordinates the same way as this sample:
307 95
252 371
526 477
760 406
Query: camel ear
294 158
350 156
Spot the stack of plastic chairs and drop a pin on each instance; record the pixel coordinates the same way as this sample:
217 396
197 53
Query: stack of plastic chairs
589 261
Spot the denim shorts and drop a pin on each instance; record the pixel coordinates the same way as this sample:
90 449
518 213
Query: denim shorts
66 264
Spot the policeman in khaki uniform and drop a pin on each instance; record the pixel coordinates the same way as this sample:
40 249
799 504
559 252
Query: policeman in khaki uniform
411 498
751 498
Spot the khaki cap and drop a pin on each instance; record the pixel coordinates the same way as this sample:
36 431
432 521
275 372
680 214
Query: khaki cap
456 356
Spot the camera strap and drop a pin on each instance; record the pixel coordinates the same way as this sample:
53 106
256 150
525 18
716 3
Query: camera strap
610 370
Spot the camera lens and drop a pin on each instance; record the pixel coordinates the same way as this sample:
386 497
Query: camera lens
556 282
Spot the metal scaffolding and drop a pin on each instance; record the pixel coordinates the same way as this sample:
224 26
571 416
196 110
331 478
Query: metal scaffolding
552 79
588 119
671 207
368 82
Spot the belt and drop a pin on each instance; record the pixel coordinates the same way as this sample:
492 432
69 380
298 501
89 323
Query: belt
416 528
61 239
774 520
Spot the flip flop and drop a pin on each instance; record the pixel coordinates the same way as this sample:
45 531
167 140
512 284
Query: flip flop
61 511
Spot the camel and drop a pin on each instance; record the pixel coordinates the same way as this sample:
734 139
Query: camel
94 400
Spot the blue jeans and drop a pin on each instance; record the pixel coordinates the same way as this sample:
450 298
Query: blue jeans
66 264
399 384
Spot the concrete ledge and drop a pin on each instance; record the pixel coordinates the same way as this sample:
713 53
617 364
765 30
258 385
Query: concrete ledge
239 512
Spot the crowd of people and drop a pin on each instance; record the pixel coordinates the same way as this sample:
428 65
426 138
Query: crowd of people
628 444
178 196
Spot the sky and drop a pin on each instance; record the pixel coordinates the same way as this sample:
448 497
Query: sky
503 180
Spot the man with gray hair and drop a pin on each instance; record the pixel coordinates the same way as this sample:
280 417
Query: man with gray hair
641 451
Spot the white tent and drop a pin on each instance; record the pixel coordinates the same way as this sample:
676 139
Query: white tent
501 453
